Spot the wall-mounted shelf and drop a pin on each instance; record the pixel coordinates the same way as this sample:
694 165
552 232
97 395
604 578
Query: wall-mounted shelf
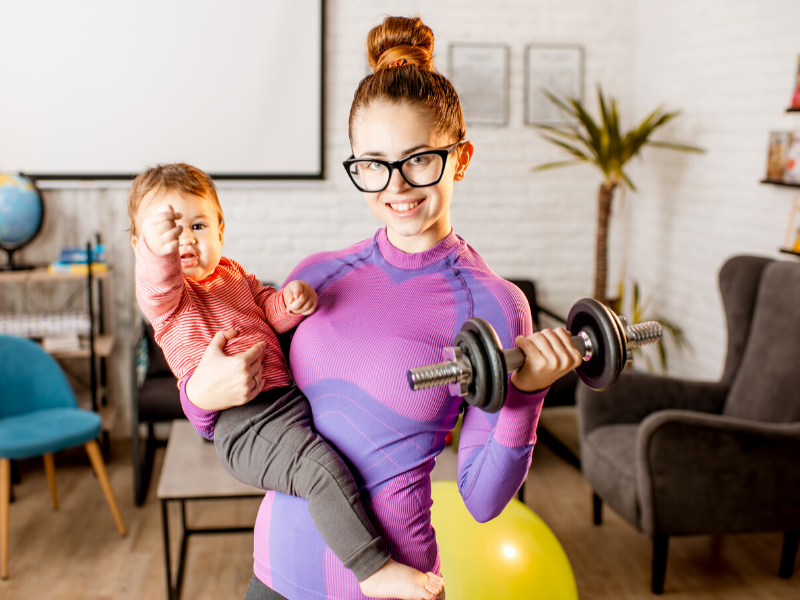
793 110
787 251
783 183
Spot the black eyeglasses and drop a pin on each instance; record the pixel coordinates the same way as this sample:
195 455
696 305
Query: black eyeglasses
419 170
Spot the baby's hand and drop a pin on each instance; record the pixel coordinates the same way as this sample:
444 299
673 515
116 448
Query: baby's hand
299 298
161 232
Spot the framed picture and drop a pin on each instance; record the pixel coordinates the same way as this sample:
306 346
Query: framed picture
479 72
557 69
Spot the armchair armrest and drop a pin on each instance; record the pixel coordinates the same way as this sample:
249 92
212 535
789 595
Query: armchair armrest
637 395
703 473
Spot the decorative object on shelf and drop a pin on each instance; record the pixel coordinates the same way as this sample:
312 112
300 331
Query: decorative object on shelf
777 153
607 148
21 215
553 69
796 97
791 173
792 240
479 72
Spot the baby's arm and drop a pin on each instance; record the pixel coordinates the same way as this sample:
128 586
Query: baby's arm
284 309
159 281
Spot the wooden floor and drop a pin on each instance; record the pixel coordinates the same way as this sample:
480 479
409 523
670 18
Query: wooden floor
75 553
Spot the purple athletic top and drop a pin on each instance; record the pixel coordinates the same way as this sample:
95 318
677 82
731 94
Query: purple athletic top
380 312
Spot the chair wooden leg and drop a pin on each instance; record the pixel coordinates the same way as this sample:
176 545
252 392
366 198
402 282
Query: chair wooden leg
597 506
50 469
660 547
791 540
5 488
100 469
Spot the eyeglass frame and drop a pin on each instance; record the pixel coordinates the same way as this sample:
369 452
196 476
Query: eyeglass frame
443 153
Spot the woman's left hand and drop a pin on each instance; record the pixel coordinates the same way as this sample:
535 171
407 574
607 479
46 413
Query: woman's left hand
549 355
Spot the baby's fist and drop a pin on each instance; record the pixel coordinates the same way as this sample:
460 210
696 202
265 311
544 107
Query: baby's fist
299 298
161 232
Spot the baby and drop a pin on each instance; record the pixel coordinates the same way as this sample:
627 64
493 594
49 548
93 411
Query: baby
189 291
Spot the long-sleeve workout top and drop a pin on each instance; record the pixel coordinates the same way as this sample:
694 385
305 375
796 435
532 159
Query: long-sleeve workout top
382 311
186 314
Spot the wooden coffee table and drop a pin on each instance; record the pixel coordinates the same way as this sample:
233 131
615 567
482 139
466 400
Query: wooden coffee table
191 471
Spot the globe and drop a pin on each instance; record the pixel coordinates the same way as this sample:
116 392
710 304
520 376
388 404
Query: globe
21 214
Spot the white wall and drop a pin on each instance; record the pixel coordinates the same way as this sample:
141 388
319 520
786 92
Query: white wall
731 68
539 226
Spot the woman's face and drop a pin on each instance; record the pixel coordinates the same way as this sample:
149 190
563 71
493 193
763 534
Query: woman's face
416 218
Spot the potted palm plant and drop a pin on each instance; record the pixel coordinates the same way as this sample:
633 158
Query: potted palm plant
607 148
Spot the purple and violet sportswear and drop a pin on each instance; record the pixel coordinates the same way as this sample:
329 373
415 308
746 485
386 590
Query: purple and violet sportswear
382 311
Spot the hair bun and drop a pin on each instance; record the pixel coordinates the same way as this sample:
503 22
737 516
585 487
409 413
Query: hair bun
400 38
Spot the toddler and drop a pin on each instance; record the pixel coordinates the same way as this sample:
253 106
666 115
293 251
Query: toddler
189 291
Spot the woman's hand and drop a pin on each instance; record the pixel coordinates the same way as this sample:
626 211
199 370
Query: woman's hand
221 381
549 355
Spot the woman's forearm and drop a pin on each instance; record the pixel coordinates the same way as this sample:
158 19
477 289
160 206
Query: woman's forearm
495 452
202 420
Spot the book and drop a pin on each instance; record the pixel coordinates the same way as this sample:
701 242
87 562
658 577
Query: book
777 153
796 96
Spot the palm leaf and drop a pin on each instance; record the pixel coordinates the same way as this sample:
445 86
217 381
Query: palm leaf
680 147
555 165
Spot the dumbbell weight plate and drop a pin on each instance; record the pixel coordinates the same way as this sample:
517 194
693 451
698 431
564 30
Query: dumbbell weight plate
608 357
489 374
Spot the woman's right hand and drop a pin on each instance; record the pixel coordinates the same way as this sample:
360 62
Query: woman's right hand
221 381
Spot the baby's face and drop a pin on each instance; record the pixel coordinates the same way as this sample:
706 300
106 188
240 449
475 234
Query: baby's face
201 238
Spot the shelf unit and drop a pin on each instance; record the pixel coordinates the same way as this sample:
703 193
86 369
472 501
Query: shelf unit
783 183
99 345
787 251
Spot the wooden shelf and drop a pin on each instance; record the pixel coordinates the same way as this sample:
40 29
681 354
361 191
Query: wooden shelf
103 345
783 183
42 274
787 251
793 110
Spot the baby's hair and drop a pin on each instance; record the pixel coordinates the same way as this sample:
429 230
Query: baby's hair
400 53
175 177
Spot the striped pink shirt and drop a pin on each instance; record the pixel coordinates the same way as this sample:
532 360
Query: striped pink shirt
186 314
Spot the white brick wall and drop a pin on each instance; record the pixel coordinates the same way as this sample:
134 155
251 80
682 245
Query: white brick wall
730 67
539 226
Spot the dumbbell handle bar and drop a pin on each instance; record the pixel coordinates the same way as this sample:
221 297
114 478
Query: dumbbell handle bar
458 368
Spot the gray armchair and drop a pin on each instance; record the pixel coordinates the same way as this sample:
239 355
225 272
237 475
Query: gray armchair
676 457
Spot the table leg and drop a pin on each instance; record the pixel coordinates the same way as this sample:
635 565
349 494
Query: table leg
165 526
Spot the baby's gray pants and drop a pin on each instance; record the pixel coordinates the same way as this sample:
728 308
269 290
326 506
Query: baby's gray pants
269 443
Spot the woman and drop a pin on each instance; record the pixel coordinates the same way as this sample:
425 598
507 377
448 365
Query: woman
386 304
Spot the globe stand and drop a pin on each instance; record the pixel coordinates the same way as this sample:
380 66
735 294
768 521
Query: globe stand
10 266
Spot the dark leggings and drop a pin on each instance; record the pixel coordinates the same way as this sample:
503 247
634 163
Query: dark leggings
258 591
270 443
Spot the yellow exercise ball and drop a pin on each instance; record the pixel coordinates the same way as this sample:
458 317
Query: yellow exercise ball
512 557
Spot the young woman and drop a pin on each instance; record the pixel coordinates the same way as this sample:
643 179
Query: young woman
386 304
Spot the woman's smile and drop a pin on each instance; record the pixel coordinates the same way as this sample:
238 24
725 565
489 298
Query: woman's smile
405 209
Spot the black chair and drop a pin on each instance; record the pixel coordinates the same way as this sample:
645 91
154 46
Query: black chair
154 399
562 391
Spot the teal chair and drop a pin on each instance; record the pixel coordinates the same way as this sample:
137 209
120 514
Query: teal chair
38 417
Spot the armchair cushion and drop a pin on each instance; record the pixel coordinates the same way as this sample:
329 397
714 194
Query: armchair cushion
766 387
608 460
703 473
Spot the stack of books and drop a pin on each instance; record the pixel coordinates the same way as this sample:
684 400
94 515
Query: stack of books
74 261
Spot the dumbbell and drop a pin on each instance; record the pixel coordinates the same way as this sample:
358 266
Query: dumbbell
476 367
